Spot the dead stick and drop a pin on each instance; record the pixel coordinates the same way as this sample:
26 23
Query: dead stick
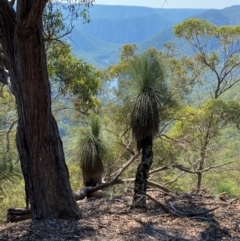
193 214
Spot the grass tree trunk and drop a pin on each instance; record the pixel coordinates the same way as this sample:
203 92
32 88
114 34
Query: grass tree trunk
140 186
38 141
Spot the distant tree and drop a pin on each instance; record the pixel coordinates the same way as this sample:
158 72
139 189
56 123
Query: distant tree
217 61
74 77
217 51
127 51
198 131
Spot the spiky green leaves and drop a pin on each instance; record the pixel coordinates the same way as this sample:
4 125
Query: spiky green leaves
145 114
91 146
146 94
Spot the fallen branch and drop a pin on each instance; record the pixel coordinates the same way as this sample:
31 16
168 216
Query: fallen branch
163 206
177 212
189 215
81 194
193 214
231 202
84 192
18 214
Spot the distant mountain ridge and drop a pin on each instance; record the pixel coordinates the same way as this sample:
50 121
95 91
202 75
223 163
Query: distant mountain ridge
217 17
118 12
132 29
113 26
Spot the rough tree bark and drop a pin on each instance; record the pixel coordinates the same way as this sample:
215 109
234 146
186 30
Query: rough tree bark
140 186
38 141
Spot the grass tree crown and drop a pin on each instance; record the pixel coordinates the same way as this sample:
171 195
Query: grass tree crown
146 94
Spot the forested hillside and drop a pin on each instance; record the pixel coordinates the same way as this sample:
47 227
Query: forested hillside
140 106
130 30
144 26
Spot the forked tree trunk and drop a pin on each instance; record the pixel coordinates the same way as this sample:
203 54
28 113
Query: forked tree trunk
38 141
140 186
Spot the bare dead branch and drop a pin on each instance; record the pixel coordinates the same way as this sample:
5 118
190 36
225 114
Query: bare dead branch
127 165
51 37
18 214
185 169
217 166
171 139
166 167
81 194
163 206
127 147
232 201
108 174
193 214
157 185
175 179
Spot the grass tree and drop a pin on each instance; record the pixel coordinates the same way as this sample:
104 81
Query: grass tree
92 149
146 96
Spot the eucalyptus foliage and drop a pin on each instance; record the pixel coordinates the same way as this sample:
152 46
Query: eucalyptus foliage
222 64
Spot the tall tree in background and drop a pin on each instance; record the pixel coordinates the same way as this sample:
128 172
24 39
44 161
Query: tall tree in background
222 62
38 141
220 72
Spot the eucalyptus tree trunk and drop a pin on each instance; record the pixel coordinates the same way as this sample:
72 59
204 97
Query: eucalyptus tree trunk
38 141
207 137
140 186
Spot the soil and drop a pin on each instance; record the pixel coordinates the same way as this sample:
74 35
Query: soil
112 219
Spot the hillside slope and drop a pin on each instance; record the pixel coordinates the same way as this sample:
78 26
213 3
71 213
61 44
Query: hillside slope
125 30
113 26
217 17
112 219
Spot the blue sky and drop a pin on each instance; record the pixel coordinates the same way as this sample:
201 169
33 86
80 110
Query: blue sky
173 3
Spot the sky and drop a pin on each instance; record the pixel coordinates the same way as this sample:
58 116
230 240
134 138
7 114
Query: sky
217 4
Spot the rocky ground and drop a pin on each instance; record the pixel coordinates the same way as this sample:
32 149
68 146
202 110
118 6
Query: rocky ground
112 219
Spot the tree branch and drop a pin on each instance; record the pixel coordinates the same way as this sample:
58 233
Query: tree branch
125 166
108 174
182 168
174 180
157 185
166 167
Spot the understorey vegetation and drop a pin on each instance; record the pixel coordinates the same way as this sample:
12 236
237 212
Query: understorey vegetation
158 119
